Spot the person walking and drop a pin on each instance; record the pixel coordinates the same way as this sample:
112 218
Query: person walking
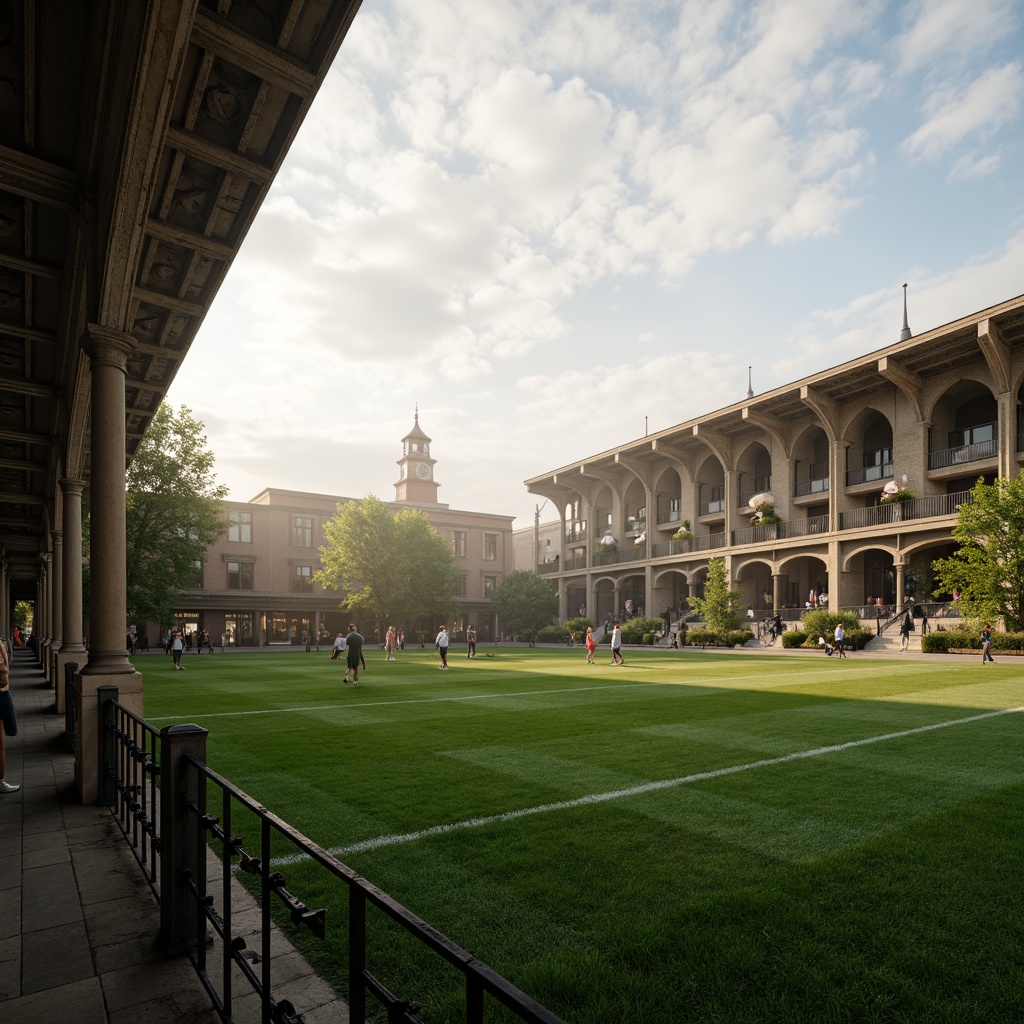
8 719
389 643
905 627
470 642
840 637
986 645
441 643
354 650
591 645
617 658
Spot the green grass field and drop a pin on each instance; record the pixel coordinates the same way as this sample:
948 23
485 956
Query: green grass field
689 837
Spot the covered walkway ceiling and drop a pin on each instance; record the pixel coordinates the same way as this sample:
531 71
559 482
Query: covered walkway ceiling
138 139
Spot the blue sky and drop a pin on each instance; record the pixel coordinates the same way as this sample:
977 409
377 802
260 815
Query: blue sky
549 223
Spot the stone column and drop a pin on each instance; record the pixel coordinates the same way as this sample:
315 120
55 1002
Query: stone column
776 591
900 569
1006 414
56 604
71 648
108 663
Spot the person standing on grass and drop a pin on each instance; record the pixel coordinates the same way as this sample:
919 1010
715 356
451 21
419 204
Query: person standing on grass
840 637
986 645
8 719
617 658
471 642
441 643
177 646
591 645
354 649
389 643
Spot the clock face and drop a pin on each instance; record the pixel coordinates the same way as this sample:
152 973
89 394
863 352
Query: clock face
422 471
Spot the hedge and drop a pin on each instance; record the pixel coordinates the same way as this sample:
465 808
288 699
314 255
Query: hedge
942 641
712 638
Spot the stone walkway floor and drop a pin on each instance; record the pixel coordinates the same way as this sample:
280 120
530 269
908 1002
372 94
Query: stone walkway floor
78 921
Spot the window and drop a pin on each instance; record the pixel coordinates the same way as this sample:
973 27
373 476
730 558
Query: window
459 543
490 547
490 585
460 587
239 575
195 577
302 532
240 527
302 582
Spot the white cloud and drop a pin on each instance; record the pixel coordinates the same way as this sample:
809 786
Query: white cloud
990 102
940 32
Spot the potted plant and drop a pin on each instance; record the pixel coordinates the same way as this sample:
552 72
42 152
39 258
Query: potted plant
683 533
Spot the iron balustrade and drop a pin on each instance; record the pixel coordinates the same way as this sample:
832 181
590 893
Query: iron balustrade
716 504
787 530
673 515
963 454
576 562
547 567
903 511
157 785
636 524
130 784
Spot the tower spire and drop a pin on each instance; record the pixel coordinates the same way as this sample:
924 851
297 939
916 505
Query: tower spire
905 334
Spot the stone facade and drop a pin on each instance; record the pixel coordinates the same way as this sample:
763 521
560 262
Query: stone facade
930 414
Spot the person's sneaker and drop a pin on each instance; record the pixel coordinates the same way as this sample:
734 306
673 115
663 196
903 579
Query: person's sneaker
8 787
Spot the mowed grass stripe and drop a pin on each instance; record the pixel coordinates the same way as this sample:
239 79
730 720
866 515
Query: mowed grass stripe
644 788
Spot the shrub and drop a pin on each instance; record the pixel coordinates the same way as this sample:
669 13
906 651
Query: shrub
738 637
703 637
648 640
552 635
821 622
633 629
857 639
578 626
794 638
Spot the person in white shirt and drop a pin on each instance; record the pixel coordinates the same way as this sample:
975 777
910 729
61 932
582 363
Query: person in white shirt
617 658
840 635
339 647
441 643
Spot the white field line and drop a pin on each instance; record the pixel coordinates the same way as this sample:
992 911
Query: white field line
713 682
647 787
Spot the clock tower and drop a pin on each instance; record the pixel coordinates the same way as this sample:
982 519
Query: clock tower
416 468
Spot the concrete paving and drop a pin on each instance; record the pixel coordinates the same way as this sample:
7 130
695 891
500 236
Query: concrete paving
79 922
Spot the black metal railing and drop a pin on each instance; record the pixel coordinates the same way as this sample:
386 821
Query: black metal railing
903 511
865 474
157 785
673 515
963 454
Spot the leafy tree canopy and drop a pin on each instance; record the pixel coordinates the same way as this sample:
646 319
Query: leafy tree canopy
988 566
392 567
525 601
173 513
720 607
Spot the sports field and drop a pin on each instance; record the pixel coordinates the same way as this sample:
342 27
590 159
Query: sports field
688 837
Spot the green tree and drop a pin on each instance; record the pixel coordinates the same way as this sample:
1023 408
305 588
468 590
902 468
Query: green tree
988 566
391 567
172 513
720 607
525 601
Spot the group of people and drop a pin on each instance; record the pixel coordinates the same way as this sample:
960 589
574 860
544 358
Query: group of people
616 645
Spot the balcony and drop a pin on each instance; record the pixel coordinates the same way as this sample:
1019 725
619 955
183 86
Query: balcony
673 515
762 484
900 512
636 524
965 453
632 554
880 469
816 482
576 535
781 531
715 505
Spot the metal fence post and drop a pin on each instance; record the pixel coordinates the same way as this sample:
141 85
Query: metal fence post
179 833
107 697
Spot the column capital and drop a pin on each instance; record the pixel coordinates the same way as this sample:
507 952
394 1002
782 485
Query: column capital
56 535
71 486
107 347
